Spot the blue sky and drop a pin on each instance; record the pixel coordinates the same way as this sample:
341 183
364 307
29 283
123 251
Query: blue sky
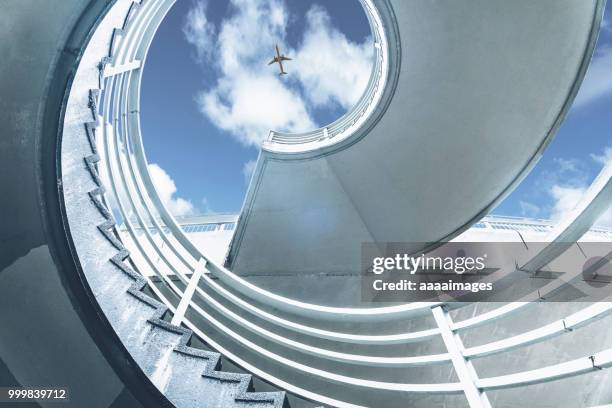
203 144
209 99
579 149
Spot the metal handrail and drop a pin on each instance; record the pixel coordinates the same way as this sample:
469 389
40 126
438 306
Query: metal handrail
161 234
221 272
121 84
124 161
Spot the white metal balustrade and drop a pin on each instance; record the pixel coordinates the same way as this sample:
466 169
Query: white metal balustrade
210 287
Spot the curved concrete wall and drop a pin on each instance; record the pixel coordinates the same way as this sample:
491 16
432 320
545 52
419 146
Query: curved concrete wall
43 305
311 372
483 85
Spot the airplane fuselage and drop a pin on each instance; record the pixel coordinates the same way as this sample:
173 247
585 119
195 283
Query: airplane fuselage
279 58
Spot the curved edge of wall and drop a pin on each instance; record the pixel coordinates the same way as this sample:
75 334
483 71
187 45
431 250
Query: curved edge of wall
53 329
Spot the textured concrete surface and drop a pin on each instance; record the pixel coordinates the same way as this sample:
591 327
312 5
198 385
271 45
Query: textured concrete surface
482 86
43 341
162 350
136 317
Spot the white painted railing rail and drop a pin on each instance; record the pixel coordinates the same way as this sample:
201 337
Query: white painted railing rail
132 195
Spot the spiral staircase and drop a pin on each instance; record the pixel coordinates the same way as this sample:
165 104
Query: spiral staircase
166 325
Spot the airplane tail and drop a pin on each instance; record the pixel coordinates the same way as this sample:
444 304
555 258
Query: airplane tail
283 73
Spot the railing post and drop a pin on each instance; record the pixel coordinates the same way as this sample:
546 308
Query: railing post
179 315
463 367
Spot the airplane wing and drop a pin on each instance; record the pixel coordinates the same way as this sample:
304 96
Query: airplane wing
273 61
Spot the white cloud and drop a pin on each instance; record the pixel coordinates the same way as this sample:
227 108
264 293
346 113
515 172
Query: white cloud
249 98
250 106
598 80
248 169
529 209
565 199
604 158
166 188
567 165
330 67
198 31
245 39
567 194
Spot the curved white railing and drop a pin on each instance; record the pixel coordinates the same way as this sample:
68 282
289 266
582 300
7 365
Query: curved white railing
132 193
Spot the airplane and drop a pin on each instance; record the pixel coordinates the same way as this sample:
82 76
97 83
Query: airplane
279 58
